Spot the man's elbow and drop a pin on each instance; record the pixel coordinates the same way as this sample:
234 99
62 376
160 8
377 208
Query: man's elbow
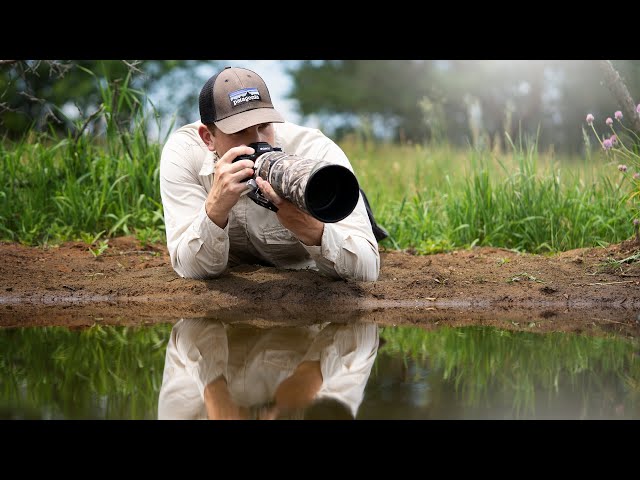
363 271
366 276
196 273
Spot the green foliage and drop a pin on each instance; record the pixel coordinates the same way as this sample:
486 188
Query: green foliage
50 95
102 247
436 198
622 151
54 189
431 100
388 89
430 197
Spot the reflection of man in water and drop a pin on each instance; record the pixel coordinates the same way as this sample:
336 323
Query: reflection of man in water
219 371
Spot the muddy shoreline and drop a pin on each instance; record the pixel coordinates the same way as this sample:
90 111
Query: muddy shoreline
580 290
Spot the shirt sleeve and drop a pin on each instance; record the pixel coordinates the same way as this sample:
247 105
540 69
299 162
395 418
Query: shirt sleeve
202 348
346 354
348 249
197 354
197 246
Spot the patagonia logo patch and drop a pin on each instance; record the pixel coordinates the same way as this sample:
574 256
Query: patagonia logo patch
243 96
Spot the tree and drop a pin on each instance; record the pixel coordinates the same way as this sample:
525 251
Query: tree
44 94
466 101
388 90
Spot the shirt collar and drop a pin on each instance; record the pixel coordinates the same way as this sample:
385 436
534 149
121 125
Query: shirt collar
209 164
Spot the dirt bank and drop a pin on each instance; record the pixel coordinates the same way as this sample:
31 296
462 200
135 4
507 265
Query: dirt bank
574 291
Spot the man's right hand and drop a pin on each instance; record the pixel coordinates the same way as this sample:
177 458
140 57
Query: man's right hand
229 181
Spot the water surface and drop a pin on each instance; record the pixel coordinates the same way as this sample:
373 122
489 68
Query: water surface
110 372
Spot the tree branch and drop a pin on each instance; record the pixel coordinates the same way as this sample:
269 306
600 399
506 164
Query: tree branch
86 123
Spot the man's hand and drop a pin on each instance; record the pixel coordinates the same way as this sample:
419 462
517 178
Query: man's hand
299 389
219 404
305 227
228 184
295 392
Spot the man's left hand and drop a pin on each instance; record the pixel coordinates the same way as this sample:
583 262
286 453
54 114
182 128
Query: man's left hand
307 228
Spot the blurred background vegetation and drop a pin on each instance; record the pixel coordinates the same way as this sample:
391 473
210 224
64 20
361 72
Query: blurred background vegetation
457 101
451 153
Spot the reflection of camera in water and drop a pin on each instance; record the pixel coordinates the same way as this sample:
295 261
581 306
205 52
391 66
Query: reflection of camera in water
325 190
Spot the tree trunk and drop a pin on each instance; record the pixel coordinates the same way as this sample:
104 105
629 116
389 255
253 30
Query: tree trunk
617 87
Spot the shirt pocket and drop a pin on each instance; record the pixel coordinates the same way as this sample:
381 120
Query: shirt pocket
282 360
283 249
278 236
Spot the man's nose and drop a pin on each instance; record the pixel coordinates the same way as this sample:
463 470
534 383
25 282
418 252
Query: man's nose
254 134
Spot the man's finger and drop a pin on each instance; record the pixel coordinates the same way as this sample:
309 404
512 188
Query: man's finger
268 191
232 153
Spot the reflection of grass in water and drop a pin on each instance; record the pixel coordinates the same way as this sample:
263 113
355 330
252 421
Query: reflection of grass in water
99 372
116 372
480 360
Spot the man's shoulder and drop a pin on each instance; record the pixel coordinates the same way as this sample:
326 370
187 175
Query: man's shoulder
185 149
185 135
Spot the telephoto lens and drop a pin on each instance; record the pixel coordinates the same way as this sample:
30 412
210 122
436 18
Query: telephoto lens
325 190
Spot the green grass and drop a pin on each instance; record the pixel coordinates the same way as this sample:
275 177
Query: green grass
53 189
437 199
429 198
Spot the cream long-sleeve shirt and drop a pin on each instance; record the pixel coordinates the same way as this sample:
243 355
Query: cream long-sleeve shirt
201 249
254 361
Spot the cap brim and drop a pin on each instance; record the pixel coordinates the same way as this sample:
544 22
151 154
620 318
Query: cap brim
247 119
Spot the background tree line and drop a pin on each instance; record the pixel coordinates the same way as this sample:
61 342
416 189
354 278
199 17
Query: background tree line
458 101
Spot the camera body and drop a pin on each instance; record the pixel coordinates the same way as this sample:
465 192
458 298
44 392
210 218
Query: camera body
255 194
260 148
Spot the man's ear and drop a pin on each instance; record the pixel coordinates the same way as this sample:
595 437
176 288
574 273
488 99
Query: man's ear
207 137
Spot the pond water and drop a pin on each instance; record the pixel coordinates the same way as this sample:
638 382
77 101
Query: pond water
369 371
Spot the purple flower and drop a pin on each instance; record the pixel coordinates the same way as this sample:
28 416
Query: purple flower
609 121
614 139
622 168
590 118
607 144
636 176
636 222
618 115
638 108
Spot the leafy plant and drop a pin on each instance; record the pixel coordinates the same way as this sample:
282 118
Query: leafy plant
102 247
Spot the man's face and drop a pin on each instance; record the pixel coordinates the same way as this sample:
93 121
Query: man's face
263 132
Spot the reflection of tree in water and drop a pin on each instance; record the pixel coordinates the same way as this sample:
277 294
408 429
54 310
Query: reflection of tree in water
486 373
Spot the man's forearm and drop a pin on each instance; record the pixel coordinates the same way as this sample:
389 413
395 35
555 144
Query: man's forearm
201 250
218 402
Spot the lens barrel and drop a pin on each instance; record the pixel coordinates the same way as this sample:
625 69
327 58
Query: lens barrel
325 190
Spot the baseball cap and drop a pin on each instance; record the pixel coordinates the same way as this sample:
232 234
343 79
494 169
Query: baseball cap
235 99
